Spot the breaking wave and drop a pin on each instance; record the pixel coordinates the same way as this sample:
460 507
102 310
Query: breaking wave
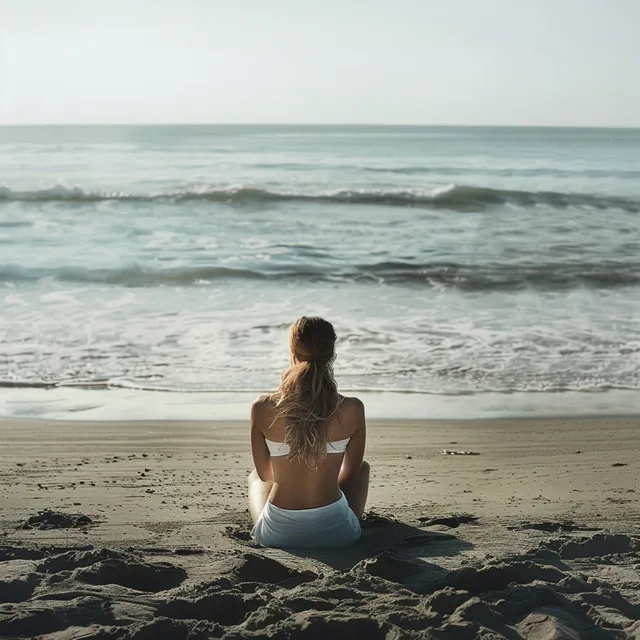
453 197
487 277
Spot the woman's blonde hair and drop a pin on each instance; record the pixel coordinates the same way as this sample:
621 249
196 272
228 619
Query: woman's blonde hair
307 398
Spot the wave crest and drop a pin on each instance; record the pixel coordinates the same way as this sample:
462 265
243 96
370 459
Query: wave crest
466 277
454 197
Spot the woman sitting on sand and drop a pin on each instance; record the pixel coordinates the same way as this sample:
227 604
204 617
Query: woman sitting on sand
310 484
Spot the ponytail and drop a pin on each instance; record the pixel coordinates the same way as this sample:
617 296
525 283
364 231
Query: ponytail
307 398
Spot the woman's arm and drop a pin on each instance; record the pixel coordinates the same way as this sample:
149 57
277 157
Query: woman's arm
259 449
353 414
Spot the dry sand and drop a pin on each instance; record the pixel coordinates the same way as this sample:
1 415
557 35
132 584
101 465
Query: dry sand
537 536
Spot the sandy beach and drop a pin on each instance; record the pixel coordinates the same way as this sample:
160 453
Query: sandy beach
140 530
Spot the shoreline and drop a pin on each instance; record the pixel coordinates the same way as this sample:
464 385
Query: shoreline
69 403
374 422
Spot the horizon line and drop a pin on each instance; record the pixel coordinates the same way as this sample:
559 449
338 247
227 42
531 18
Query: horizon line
317 124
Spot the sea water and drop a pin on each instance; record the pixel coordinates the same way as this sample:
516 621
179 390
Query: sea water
155 270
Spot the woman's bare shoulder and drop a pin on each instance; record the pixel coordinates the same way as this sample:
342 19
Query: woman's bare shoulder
351 410
351 403
266 399
262 410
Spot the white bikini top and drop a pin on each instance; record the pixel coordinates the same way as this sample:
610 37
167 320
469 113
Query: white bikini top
277 449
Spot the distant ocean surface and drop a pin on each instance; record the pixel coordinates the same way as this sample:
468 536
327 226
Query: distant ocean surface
452 261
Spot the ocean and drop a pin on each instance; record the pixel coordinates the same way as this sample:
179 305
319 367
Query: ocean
155 270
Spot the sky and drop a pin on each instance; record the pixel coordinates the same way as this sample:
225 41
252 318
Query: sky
466 62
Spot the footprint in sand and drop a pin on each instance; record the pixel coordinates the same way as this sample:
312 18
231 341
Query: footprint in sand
48 519
453 522
596 546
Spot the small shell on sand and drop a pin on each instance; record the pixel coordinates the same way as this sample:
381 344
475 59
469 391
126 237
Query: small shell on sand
452 452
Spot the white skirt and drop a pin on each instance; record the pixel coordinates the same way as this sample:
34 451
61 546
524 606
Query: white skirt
333 525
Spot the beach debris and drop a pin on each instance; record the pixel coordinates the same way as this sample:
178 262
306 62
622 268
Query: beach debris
458 452
619 464
48 519
409 457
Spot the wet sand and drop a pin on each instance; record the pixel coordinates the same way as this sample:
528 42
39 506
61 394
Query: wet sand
140 530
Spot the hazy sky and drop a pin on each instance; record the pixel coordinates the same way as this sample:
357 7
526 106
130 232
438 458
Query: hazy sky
529 62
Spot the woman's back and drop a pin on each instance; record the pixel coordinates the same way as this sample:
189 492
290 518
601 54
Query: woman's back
296 485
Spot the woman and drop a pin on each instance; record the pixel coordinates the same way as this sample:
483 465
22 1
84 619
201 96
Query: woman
310 484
